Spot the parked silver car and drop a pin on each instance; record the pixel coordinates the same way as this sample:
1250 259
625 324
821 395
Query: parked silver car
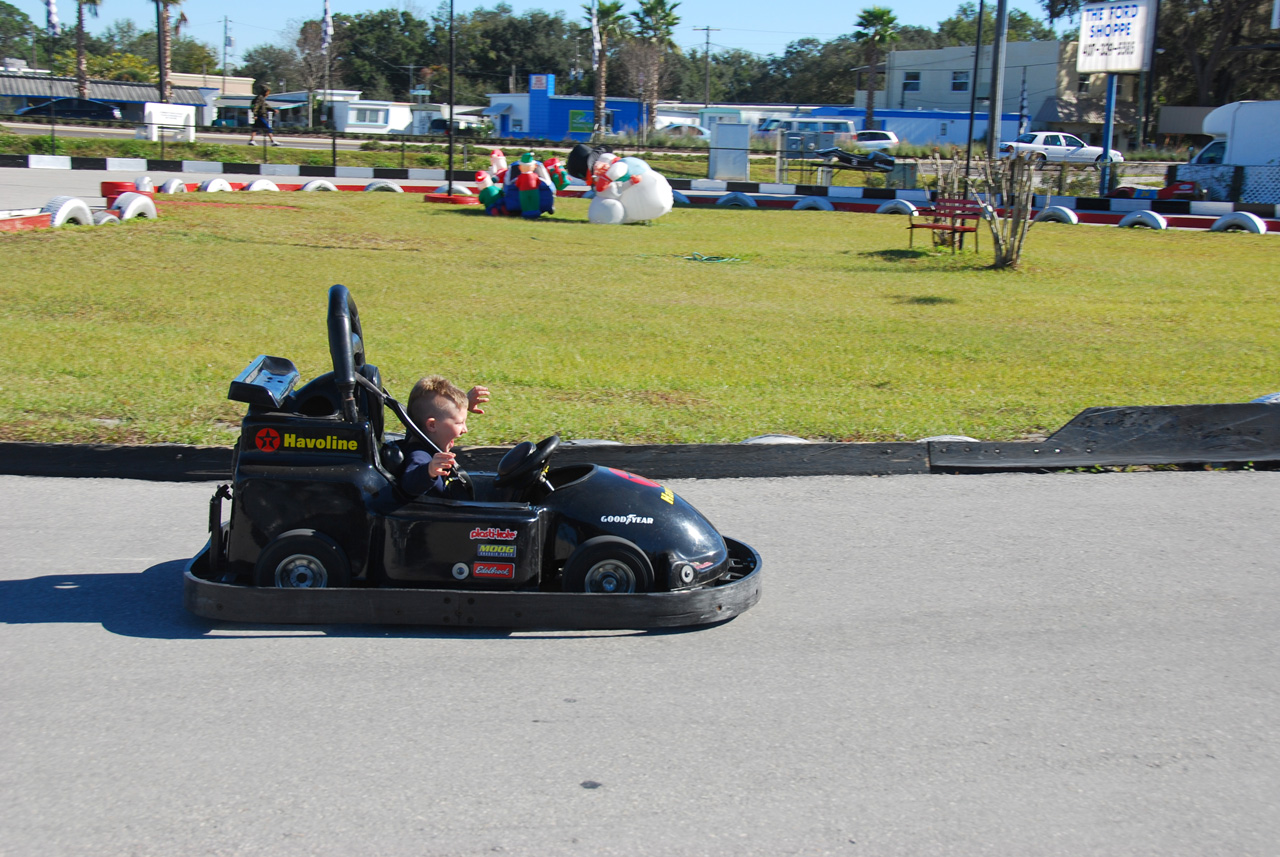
1058 148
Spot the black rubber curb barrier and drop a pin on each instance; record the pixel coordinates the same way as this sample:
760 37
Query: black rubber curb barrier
1166 434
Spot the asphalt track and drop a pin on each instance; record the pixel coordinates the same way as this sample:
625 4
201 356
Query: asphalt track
26 188
1009 664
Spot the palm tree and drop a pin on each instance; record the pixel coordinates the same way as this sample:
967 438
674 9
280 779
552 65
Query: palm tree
610 24
165 32
877 29
655 21
82 64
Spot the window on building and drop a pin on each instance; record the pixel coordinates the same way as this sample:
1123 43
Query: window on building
369 116
911 81
517 124
1082 84
959 81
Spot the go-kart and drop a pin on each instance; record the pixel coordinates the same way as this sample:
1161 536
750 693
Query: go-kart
320 531
871 162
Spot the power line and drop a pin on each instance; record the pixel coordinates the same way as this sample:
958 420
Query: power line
706 60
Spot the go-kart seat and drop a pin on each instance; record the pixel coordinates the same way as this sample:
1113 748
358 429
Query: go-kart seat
320 398
393 459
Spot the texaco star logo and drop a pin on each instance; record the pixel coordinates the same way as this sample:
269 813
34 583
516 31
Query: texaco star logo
267 439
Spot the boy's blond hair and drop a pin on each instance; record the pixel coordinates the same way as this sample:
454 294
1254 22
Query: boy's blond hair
428 397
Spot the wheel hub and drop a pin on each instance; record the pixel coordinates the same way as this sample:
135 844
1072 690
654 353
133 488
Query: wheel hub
611 578
301 571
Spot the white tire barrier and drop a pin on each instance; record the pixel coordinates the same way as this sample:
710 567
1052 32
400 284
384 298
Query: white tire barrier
68 210
104 218
174 186
1149 219
1268 399
384 185
1057 214
261 184
736 200
459 189
318 184
130 205
897 206
214 185
144 184
814 203
1239 221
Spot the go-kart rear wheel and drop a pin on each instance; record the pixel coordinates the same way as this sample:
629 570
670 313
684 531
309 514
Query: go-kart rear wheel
608 565
302 559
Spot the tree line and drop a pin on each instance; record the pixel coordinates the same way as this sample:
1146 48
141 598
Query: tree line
1213 52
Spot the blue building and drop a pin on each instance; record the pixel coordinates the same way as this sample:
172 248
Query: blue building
541 114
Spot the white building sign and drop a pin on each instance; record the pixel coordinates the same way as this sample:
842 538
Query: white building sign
1116 36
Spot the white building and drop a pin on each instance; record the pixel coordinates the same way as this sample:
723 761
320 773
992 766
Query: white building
926 97
1058 98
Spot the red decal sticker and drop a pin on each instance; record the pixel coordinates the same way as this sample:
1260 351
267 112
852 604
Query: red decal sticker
267 439
504 570
639 480
493 533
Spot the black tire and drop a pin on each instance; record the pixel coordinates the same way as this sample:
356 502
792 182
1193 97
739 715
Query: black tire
302 559
1039 161
608 565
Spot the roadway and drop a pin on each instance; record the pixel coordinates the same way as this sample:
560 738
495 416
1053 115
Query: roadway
1058 664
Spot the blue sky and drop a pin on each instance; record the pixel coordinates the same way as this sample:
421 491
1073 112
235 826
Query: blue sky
759 26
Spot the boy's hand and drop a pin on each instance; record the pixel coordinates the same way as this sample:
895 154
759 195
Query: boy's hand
441 464
477 396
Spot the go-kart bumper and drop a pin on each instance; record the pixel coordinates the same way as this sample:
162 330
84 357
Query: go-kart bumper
232 602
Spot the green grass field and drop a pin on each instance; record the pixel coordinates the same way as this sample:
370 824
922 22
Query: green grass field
826 326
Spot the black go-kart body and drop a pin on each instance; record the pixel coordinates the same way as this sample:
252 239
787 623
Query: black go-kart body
319 529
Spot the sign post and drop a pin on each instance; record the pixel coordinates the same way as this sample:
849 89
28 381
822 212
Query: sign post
1115 37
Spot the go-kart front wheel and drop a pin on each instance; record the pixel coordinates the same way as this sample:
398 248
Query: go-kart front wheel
302 559
608 565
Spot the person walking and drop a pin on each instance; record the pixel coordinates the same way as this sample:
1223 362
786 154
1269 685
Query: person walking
262 117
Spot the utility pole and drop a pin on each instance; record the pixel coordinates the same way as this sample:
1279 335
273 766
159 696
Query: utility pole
706 59
995 106
409 69
161 56
452 74
226 43
973 95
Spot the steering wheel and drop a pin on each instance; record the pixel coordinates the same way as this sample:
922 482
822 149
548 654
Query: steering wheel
522 466
346 346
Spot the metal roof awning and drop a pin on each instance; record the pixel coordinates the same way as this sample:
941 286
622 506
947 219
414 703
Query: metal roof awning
124 91
495 109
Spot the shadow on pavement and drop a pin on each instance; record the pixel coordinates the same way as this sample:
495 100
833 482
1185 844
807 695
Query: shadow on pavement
149 604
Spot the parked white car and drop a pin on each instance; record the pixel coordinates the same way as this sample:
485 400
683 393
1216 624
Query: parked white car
1058 148
692 132
876 140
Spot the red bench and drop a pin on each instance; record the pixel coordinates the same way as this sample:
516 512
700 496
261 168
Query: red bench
949 216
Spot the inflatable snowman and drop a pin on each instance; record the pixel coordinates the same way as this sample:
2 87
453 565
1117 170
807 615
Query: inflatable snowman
627 190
